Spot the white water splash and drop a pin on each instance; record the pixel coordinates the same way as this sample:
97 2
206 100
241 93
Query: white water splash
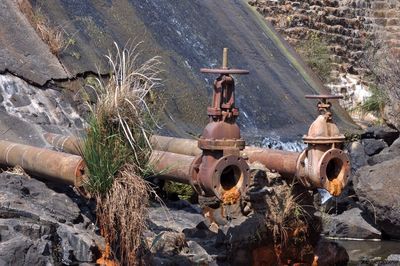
274 142
353 89
35 105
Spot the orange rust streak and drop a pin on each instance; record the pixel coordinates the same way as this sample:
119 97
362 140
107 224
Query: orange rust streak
231 196
105 258
335 187
263 256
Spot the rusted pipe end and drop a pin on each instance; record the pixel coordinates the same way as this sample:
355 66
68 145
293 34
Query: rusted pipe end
330 173
80 175
226 178
334 167
231 175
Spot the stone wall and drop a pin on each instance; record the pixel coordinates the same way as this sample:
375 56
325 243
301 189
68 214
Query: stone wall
347 26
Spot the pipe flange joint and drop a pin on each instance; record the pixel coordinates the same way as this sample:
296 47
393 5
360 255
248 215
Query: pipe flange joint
334 169
230 177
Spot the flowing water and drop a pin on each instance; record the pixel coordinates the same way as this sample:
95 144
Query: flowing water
368 251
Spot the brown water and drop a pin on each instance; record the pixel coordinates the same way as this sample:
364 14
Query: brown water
368 251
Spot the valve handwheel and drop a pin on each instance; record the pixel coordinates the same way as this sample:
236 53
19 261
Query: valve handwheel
224 70
323 96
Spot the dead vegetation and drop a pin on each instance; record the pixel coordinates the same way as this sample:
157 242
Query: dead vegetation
52 36
289 220
122 212
384 65
116 150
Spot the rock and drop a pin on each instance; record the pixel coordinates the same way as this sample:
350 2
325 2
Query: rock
350 224
20 100
177 220
330 253
39 226
357 154
168 243
377 188
23 52
373 146
389 135
386 154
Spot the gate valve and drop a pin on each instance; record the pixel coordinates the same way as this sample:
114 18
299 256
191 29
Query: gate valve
223 104
323 163
220 170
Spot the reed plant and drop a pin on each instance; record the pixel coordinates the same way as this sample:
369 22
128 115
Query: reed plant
117 148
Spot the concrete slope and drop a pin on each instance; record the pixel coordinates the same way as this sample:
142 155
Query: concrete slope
188 35
22 51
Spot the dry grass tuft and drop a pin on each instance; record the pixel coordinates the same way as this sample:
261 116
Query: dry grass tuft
122 212
52 36
117 148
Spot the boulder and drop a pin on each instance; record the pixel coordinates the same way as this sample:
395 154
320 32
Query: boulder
357 154
330 253
39 226
373 146
386 154
377 188
352 223
389 135
393 258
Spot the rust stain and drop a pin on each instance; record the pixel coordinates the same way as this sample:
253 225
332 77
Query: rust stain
335 187
263 256
315 262
105 257
231 196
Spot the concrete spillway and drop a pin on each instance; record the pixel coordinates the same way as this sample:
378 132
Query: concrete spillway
187 35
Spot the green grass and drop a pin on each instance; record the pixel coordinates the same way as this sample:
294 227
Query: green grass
105 153
376 102
316 54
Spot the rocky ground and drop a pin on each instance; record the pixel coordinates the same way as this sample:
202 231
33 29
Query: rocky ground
52 224
369 208
44 225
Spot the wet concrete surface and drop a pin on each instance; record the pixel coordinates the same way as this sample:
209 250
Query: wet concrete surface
189 35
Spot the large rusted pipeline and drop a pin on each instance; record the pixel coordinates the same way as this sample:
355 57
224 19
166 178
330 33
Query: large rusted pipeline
318 166
183 168
284 162
57 166
307 166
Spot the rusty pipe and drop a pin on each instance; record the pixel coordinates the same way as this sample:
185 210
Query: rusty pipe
318 166
172 166
68 144
184 168
175 145
284 162
315 168
52 165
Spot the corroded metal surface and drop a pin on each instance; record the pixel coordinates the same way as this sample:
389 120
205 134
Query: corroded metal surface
220 167
176 145
284 162
172 166
324 164
68 144
57 166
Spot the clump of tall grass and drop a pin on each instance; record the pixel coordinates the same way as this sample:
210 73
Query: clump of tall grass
53 36
117 148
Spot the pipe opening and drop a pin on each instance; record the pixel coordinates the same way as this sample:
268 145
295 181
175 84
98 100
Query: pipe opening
334 168
230 177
